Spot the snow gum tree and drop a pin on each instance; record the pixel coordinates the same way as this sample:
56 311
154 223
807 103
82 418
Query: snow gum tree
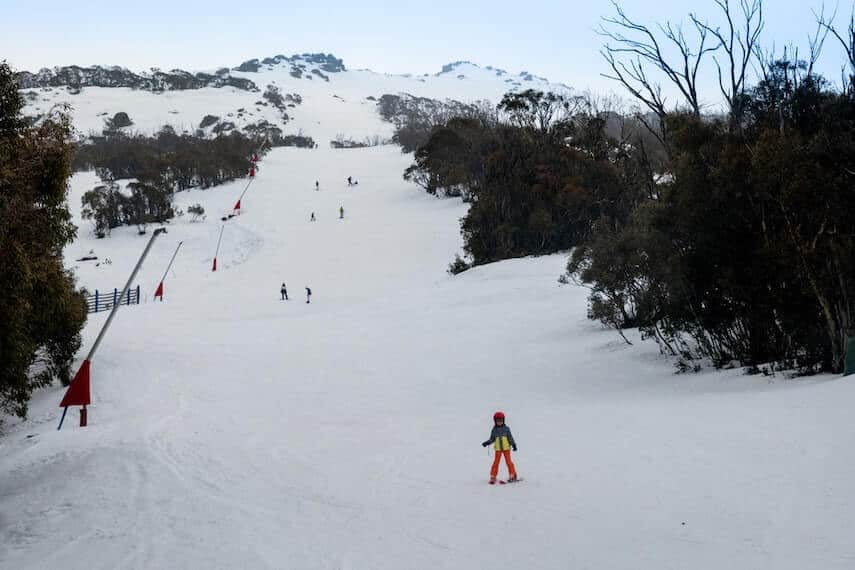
41 313
745 251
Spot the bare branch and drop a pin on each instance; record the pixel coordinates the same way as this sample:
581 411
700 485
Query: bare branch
629 40
847 41
815 44
739 42
635 81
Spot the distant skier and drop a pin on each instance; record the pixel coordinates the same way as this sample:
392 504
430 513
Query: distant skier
503 442
284 291
308 295
350 181
341 212
312 218
317 185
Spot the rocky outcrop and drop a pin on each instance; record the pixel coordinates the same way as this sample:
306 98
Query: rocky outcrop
75 78
299 64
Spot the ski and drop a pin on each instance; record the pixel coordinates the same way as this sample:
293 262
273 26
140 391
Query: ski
505 482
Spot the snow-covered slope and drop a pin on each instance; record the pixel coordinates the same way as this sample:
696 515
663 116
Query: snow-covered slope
333 102
230 429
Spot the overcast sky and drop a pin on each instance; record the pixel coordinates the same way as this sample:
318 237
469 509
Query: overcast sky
551 38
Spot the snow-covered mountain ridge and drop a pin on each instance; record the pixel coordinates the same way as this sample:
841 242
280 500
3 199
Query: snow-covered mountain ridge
290 93
75 77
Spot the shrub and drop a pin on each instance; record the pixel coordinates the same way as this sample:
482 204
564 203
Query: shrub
208 120
103 205
119 121
108 208
251 66
197 211
459 265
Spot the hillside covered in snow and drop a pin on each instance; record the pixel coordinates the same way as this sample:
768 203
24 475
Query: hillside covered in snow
311 94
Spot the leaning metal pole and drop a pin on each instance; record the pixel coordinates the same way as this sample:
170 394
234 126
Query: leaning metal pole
106 326
79 388
168 267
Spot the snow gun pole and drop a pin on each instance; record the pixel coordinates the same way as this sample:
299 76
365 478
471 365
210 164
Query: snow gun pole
242 194
245 189
171 261
216 253
264 144
78 390
251 175
159 291
157 232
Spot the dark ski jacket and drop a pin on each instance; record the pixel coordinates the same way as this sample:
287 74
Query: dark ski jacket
502 439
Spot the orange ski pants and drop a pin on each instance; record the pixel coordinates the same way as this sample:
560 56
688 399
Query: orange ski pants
495 469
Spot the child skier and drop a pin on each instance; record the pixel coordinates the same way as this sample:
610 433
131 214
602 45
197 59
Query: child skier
503 442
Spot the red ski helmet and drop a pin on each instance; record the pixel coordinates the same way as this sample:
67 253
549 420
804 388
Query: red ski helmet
498 416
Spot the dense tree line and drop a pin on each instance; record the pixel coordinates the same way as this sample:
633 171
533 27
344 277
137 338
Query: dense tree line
159 166
748 250
538 172
415 117
744 254
731 237
41 312
168 160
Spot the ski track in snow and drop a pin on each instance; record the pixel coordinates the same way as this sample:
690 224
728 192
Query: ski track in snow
230 429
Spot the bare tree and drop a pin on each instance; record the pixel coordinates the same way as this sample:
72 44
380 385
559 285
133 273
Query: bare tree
847 40
635 48
738 40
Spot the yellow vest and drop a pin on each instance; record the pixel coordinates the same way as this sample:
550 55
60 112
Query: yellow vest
502 443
